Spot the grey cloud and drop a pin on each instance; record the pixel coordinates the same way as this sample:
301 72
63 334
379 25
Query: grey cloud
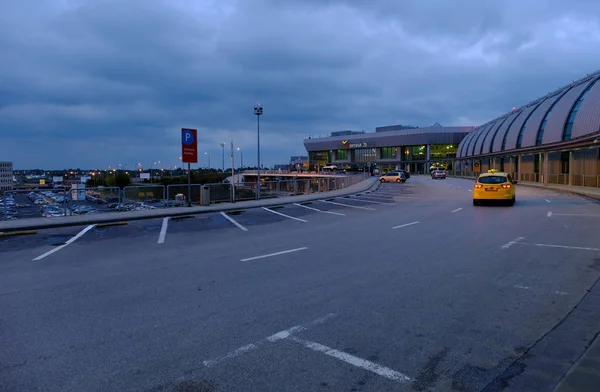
108 80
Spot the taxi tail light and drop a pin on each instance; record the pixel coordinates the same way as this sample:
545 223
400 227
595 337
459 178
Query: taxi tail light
478 186
506 186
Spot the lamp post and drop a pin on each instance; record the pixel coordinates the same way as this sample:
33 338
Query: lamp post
258 111
152 171
208 155
222 144
241 162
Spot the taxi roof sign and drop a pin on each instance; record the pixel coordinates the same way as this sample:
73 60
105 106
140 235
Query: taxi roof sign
492 171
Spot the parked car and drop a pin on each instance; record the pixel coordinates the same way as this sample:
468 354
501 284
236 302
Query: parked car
395 176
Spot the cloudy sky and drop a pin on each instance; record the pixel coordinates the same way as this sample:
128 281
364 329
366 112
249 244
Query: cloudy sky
93 83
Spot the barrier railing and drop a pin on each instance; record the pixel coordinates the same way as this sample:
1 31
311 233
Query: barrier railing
144 194
77 201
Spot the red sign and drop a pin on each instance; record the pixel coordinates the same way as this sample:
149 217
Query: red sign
189 145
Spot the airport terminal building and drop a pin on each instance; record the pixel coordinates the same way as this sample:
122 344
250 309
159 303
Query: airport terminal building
554 139
391 147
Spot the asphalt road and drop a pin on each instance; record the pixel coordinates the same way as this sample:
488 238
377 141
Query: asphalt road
409 288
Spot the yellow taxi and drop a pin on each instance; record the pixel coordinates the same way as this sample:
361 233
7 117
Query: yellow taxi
494 186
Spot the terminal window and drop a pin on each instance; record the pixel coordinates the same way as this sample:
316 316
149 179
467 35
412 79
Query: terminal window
365 155
341 155
388 152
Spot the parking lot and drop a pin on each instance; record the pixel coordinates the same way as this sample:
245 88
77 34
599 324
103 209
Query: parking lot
408 287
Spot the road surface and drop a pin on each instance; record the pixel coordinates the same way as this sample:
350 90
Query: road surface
408 288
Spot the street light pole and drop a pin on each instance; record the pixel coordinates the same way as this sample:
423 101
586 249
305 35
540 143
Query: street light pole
222 144
208 155
241 162
258 111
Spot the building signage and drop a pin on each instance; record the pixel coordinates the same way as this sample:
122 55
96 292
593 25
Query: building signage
354 145
189 145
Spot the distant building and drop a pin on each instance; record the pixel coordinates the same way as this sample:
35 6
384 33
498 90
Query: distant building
390 147
299 162
347 133
6 176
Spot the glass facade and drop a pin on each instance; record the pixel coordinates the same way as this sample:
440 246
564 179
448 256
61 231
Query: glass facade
388 152
441 151
365 155
319 157
413 153
573 113
341 155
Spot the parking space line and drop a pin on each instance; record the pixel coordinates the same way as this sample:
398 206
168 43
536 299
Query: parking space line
230 219
163 231
362 200
68 242
352 360
557 246
316 209
404 225
287 216
458 209
509 244
547 201
271 339
470 190
550 213
274 254
347 205
382 199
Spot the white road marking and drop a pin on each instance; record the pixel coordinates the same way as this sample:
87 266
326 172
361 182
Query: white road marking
508 245
387 194
298 328
287 216
352 360
347 205
163 231
558 246
547 201
316 209
231 354
518 286
274 254
230 219
373 196
561 293
588 215
273 338
458 209
362 200
549 214
68 242
470 190
404 225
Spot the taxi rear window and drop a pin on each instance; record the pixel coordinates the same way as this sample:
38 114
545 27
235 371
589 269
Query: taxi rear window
492 180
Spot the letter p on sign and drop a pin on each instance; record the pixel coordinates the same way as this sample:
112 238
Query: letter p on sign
189 145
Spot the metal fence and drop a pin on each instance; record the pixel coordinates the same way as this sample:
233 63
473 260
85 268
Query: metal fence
77 201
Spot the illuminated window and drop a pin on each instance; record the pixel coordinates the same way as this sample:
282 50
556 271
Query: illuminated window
341 155
388 152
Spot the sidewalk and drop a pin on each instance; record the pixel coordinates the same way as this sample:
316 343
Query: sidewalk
47 223
587 191
584 376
